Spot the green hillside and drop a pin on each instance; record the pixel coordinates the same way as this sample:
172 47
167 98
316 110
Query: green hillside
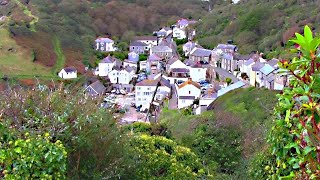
258 24
230 134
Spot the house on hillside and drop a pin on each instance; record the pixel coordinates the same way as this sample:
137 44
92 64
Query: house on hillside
105 66
139 47
153 65
200 55
121 76
198 72
267 76
179 33
132 61
162 51
187 48
68 73
227 48
149 40
95 89
105 45
206 99
145 91
163 32
281 79
187 92
256 75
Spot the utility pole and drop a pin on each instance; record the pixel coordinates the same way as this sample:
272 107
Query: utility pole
153 96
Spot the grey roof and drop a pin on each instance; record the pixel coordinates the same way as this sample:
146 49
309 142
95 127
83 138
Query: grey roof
154 57
130 69
270 78
231 87
180 70
161 49
164 82
147 82
138 43
201 52
98 87
226 46
266 69
172 60
250 61
273 62
183 22
146 38
189 62
70 69
187 97
257 66
106 40
189 44
107 59
241 57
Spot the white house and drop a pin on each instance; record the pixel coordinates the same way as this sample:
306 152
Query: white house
105 44
197 72
105 66
187 92
187 48
165 31
205 100
179 33
176 64
149 40
145 91
120 76
68 73
132 61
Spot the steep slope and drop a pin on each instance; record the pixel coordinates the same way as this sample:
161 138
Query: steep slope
76 23
227 136
258 24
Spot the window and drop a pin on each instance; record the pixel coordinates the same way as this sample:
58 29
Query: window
139 88
148 88
189 92
183 101
198 70
132 47
138 93
139 99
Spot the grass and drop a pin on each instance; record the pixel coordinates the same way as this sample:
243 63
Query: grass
60 56
18 62
27 12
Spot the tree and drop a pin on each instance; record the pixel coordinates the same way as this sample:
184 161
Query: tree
161 158
295 136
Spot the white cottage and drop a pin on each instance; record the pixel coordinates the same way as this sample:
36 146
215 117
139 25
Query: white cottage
68 73
187 92
105 66
105 45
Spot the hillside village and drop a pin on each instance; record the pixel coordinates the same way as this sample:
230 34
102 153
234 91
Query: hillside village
191 80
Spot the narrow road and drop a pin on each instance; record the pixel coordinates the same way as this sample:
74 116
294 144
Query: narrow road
225 74
173 102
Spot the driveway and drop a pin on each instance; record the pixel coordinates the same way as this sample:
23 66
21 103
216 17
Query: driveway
173 102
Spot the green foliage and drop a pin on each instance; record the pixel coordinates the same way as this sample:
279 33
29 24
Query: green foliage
156 157
36 157
33 55
143 57
90 135
228 81
180 41
294 138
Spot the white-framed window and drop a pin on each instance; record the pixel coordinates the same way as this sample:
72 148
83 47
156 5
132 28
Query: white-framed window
139 99
183 101
138 93
148 88
138 88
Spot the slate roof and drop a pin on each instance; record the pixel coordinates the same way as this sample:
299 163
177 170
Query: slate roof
183 22
70 69
154 57
226 46
172 60
189 82
161 49
200 52
250 61
138 43
107 59
98 87
189 44
266 69
189 62
180 70
187 97
146 38
130 69
106 40
257 66
147 82
273 62
241 57
165 82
